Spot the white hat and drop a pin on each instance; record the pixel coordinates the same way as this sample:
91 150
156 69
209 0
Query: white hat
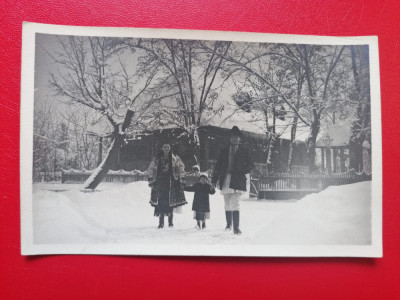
204 174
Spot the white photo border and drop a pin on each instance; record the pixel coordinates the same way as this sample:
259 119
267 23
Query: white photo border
28 247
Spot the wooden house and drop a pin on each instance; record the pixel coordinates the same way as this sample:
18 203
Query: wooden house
140 148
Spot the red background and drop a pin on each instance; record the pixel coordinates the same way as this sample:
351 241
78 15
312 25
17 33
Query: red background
104 277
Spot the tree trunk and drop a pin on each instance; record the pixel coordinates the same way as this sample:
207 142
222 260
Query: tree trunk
311 141
205 166
293 131
270 154
101 171
196 156
314 128
355 155
273 119
100 158
361 127
290 157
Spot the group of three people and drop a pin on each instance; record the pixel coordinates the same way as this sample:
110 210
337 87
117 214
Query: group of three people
166 179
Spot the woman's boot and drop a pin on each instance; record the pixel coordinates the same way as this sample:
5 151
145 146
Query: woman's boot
236 229
161 221
170 220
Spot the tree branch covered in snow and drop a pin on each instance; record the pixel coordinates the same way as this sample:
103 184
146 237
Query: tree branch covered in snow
187 71
299 78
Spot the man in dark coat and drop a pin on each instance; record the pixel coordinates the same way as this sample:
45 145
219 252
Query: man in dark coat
229 175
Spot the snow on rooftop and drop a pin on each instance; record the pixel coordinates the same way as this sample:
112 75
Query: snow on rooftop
338 135
251 122
247 122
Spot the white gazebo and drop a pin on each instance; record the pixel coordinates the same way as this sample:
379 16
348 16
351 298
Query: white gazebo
334 145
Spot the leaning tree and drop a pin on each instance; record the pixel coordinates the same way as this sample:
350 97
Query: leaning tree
95 72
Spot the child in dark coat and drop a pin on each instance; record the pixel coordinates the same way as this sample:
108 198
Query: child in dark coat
201 201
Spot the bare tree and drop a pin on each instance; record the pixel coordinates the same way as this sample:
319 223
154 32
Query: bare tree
307 72
50 140
361 127
83 147
187 74
93 72
41 147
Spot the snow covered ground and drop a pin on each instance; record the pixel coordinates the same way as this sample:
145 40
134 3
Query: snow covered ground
121 214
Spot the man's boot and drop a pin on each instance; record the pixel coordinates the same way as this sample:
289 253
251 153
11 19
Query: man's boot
228 215
236 229
161 221
170 220
203 225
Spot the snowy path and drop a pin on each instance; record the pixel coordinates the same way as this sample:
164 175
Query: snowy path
121 214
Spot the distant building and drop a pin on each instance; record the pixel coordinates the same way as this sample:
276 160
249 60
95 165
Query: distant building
334 145
140 148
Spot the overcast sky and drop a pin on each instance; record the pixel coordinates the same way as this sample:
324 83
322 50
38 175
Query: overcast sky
47 45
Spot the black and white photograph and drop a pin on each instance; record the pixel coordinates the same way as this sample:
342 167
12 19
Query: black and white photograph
200 143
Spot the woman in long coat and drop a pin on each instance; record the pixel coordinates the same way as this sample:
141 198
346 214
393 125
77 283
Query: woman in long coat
165 175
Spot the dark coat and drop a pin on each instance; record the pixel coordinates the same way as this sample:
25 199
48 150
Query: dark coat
201 200
172 190
242 165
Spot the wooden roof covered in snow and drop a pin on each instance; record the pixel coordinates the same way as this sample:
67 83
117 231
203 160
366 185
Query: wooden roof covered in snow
223 132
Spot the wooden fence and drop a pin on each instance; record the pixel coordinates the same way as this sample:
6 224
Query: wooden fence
47 176
295 186
276 186
74 176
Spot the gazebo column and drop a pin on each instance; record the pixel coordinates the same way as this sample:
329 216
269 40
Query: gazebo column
329 160
322 159
335 154
342 161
